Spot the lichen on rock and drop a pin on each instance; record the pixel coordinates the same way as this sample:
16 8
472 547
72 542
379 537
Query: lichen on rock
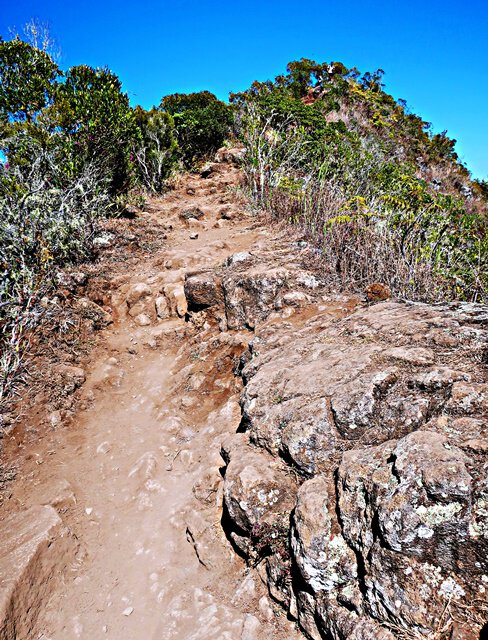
382 420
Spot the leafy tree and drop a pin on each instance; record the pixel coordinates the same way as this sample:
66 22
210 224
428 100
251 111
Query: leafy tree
372 81
300 76
178 103
98 123
27 81
202 123
443 146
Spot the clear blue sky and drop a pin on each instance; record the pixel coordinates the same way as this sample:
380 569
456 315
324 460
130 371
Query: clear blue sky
434 52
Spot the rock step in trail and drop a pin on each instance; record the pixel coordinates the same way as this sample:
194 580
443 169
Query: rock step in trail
251 457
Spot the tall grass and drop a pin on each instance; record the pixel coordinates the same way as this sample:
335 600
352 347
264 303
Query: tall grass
365 227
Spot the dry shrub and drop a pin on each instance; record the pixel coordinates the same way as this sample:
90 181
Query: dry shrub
351 251
368 219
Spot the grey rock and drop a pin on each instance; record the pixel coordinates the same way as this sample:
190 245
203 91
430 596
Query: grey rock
243 257
324 559
203 290
382 414
175 295
231 156
406 509
71 377
104 240
162 307
143 320
257 489
250 298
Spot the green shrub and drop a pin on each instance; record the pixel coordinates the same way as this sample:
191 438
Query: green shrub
98 124
201 121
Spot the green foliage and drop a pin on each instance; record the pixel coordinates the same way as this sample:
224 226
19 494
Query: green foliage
27 77
181 102
85 108
98 123
67 140
328 149
328 87
201 121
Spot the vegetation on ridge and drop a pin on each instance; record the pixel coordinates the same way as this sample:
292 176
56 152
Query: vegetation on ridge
380 195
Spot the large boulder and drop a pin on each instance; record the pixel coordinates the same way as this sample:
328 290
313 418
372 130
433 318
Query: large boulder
257 489
406 508
380 414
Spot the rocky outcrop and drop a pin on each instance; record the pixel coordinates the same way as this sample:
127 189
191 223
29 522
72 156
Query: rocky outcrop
248 289
370 431
232 155
406 508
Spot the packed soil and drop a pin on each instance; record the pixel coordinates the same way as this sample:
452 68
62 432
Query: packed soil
123 466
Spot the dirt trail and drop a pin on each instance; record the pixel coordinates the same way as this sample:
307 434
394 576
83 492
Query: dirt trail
135 476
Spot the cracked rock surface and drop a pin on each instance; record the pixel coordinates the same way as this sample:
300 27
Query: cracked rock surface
381 416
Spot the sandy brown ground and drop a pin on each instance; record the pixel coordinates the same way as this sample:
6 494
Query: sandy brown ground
133 471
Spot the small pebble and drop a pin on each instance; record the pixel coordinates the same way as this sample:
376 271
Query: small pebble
193 236
88 511
128 611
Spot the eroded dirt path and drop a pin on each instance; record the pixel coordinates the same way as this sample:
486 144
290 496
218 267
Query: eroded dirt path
132 485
